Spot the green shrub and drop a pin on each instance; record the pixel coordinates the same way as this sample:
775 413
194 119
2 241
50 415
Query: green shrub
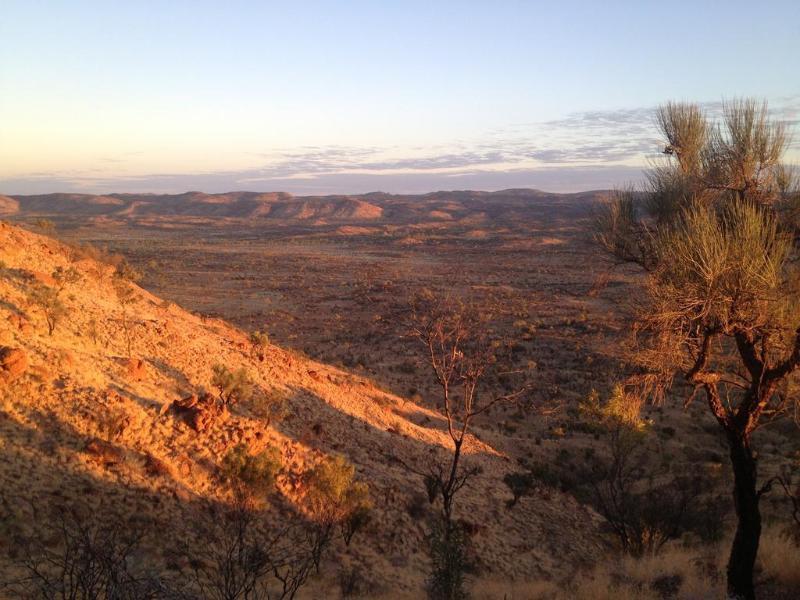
253 473
334 497
64 277
417 507
47 300
232 386
555 476
621 408
270 405
259 340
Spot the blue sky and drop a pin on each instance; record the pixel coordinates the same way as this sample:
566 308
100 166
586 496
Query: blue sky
315 97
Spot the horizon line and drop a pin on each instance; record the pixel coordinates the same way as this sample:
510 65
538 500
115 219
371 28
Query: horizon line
323 195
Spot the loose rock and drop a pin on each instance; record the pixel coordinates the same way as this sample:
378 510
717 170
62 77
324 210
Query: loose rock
13 363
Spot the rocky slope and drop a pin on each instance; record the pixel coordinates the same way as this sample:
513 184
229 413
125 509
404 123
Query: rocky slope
62 395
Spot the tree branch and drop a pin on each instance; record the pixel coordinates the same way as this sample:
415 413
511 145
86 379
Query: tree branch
790 364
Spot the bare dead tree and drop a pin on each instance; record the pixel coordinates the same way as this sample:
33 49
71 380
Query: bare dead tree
645 506
791 492
237 555
77 557
793 495
464 359
299 555
461 355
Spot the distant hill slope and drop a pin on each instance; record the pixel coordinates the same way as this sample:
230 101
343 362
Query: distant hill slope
79 384
8 206
508 205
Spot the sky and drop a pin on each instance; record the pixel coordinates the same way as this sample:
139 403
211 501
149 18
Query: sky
349 96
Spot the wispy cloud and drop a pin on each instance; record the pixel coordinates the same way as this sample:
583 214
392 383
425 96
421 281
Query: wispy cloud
557 179
594 149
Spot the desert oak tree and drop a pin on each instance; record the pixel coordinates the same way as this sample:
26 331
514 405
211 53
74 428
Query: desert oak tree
720 307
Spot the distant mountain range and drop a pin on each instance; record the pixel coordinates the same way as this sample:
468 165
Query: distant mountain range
377 207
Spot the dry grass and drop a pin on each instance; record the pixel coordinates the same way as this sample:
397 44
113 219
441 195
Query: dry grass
690 574
678 569
779 557
491 589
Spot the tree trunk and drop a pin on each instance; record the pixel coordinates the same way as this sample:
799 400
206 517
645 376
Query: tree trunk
748 527
449 483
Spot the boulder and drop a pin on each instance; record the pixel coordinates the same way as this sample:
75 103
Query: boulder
13 363
199 412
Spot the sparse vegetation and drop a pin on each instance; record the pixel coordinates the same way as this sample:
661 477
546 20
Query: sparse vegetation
336 499
87 560
232 386
271 404
259 341
46 299
64 277
126 296
250 474
124 270
92 329
520 484
645 504
237 556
